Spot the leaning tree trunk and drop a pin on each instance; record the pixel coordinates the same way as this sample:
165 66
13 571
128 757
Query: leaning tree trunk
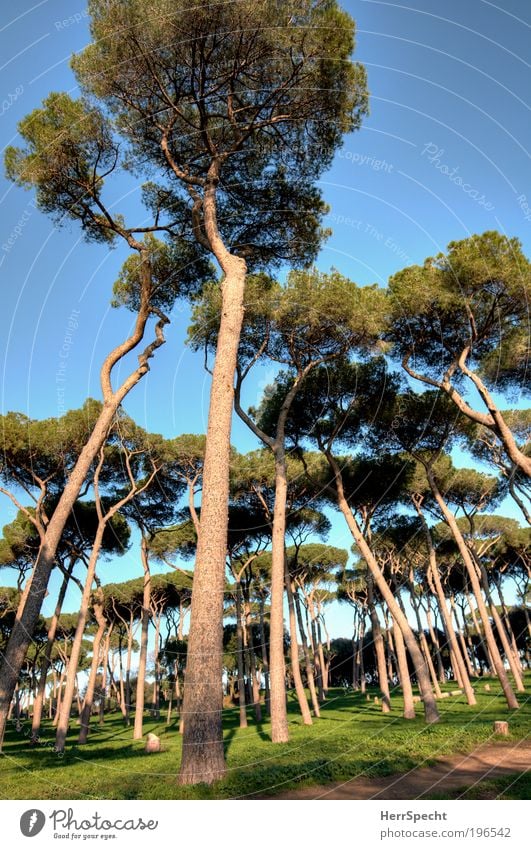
203 758
507 623
66 703
138 729
435 643
403 673
383 681
431 713
29 610
52 630
435 579
294 652
470 566
307 658
91 685
422 638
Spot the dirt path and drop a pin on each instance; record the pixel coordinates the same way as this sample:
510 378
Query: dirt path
450 773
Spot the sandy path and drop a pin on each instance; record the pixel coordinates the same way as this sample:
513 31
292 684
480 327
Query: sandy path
449 773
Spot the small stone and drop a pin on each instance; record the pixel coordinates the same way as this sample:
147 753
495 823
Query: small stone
501 727
456 692
416 700
368 697
152 744
376 700
487 688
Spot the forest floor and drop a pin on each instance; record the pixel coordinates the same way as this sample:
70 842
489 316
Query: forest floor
351 742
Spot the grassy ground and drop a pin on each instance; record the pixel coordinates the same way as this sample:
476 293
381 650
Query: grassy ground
352 737
517 786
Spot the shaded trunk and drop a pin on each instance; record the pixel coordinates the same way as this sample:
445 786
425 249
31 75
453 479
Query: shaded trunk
383 681
91 685
265 661
241 671
403 673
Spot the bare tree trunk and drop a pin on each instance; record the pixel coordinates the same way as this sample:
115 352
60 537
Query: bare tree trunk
128 693
66 704
508 626
155 701
450 519
91 685
403 672
430 706
279 717
52 630
435 643
252 662
138 729
265 661
241 672
294 652
422 639
383 681
101 719
434 579
307 659
203 756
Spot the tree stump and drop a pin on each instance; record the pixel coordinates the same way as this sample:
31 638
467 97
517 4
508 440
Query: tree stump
376 700
152 744
501 727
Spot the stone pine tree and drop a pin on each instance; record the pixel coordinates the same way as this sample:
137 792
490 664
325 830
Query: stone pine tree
314 319
461 321
238 108
70 153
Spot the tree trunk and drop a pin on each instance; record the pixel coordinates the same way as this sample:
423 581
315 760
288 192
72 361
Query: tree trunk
294 652
252 662
383 681
307 658
450 519
435 580
128 692
91 685
203 757
241 672
52 630
265 660
403 672
279 717
423 642
66 704
138 729
435 643
430 706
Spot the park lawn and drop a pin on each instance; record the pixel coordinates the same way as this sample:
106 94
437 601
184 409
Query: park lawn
352 738
517 786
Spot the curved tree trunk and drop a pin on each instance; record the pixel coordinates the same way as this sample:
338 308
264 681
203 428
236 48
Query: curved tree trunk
203 756
403 672
28 613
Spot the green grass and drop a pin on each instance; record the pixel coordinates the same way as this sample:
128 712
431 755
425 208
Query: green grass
517 786
352 738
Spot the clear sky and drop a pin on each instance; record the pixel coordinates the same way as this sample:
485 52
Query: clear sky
449 87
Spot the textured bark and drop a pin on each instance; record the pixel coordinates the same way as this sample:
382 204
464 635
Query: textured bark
265 659
449 517
279 716
203 757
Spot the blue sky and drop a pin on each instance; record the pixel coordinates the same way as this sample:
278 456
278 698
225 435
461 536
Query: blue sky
442 155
